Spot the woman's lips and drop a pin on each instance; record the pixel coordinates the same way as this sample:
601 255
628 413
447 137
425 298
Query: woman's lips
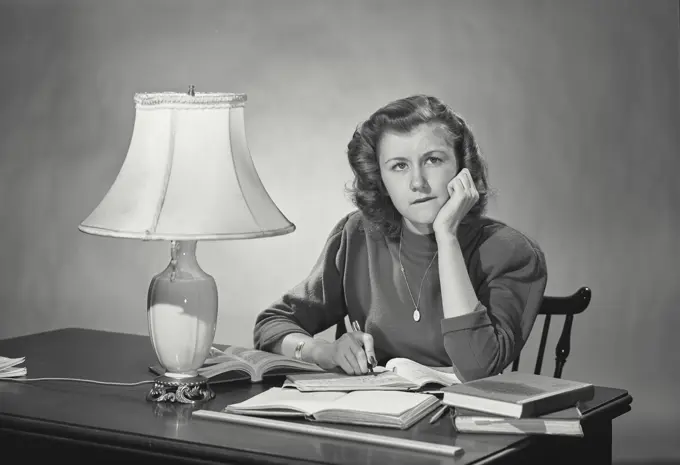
422 200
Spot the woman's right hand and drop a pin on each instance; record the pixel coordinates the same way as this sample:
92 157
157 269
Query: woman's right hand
353 352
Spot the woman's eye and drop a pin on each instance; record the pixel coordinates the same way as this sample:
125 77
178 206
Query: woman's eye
399 166
434 160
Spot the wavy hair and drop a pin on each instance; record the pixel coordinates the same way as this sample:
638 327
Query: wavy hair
368 192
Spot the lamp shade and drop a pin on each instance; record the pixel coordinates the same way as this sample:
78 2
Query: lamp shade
188 175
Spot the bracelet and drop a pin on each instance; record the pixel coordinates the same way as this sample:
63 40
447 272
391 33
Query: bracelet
298 350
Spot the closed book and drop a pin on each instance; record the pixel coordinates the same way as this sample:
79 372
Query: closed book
390 409
566 422
517 395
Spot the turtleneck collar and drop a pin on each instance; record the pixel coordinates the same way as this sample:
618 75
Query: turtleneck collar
418 244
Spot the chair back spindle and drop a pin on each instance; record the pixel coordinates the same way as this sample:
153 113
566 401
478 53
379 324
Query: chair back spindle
541 346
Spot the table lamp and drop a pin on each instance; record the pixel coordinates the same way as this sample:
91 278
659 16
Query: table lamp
187 176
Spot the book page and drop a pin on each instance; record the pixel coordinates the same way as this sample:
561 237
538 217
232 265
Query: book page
212 370
220 356
392 403
261 360
6 362
13 372
385 379
276 399
253 357
9 368
421 374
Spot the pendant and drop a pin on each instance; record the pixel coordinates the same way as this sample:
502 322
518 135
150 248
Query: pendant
416 315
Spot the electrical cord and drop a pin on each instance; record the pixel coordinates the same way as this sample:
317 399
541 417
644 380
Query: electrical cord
214 352
110 383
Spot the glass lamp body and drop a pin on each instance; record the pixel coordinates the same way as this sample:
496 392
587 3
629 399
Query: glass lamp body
182 313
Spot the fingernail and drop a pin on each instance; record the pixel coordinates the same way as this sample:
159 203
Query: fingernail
374 362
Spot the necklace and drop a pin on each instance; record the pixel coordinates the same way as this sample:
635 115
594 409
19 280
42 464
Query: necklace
416 311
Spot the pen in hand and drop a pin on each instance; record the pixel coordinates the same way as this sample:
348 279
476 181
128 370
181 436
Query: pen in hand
356 327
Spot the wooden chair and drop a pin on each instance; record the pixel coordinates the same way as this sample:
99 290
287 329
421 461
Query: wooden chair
567 306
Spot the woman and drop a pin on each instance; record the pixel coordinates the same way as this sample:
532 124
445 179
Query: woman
424 274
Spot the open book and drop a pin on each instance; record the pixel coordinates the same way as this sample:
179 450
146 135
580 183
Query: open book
236 363
390 409
398 374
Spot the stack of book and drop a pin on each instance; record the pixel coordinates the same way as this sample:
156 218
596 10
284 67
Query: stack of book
520 403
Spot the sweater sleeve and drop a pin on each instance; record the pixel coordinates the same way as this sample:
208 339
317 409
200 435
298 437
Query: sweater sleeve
312 306
484 342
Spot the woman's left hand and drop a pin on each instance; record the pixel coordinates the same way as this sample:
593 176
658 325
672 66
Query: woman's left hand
463 196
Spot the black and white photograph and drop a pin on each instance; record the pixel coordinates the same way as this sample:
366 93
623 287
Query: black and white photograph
340 232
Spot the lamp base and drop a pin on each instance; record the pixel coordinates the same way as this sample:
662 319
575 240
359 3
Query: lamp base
182 316
185 390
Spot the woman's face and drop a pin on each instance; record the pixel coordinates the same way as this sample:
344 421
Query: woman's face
416 168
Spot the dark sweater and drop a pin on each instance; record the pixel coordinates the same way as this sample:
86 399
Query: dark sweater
358 275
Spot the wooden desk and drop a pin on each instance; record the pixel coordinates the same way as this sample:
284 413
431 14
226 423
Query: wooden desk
89 423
